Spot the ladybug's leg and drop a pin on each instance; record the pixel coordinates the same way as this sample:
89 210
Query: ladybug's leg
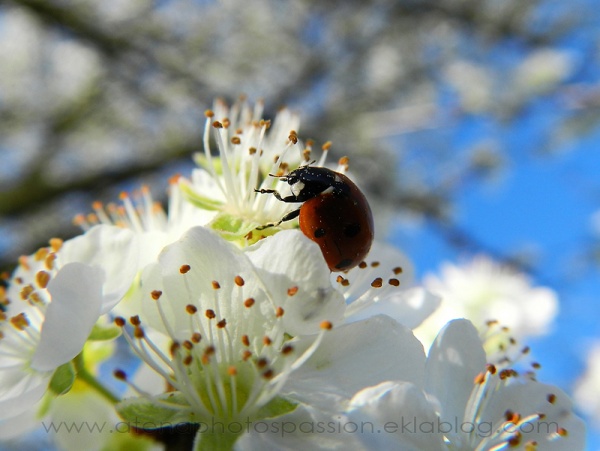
291 215
278 196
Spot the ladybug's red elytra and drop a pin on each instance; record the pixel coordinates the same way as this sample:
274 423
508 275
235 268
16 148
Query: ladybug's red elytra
335 214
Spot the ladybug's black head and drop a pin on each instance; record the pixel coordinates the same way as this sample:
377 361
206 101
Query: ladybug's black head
297 181
307 182
293 177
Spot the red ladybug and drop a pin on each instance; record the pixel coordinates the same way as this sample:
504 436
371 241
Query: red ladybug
335 214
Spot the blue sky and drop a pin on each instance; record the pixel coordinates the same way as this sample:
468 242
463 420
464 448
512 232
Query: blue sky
542 204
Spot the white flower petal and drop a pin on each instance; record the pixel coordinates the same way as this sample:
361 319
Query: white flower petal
290 259
211 259
203 182
16 397
357 355
455 358
401 415
385 284
153 243
16 426
381 257
76 301
409 307
113 249
532 398
140 300
390 256
304 428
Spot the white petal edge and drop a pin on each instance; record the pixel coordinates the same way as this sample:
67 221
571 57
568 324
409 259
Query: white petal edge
409 307
14 427
455 358
354 356
32 389
76 292
289 258
304 428
115 250
401 415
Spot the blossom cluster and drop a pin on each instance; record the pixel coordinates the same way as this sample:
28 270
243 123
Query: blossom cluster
241 334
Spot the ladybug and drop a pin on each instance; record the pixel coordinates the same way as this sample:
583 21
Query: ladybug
334 213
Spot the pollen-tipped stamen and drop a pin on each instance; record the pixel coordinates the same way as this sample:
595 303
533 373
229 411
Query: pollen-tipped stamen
365 289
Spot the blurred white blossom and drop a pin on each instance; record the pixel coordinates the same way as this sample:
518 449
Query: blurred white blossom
542 70
473 84
587 390
482 290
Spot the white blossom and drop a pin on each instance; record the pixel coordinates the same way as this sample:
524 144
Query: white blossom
252 152
464 404
53 301
255 333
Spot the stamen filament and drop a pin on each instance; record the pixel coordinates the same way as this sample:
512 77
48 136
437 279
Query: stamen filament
231 192
186 386
207 152
143 355
132 216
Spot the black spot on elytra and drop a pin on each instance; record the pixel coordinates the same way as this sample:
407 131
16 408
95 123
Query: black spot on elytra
343 264
351 230
319 232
